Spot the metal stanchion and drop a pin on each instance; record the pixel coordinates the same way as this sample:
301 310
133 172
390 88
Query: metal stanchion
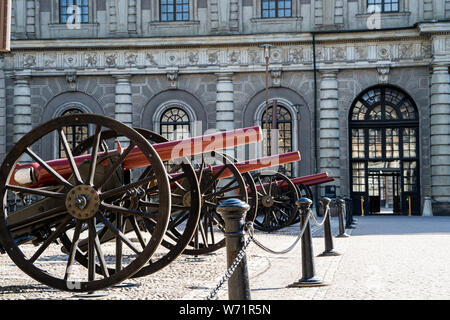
233 213
328 237
340 205
349 221
308 279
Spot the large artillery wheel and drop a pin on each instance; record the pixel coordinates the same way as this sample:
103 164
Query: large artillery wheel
276 201
209 234
78 202
185 207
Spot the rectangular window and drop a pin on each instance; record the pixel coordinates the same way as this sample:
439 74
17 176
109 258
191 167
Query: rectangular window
409 143
375 143
74 11
358 177
174 10
358 143
392 143
410 176
382 5
276 8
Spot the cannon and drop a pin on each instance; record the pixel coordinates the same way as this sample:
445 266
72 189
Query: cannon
105 190
278 194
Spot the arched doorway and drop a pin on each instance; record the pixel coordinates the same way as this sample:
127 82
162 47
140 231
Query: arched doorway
384 155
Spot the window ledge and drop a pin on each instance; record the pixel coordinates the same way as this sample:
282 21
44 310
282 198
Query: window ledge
64 25
276 20
174 23
384 14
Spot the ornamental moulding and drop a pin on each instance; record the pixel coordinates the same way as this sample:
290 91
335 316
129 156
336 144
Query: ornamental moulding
299 55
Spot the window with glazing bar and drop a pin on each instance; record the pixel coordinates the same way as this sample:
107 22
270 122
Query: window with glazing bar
174 10
74 11
276 8
383 5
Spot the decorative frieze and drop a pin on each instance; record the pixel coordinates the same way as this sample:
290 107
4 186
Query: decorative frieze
296 54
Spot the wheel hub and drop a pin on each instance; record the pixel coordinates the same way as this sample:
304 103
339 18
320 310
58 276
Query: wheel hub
267 201
82 202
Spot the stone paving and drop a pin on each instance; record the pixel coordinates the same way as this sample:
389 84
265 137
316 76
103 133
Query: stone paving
385 257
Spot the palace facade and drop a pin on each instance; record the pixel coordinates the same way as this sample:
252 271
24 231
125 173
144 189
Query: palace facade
362 87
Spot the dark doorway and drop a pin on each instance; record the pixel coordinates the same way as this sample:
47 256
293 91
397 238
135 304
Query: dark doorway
384 157
384 192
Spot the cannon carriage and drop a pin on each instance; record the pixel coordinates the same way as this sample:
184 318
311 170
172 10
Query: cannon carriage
126 202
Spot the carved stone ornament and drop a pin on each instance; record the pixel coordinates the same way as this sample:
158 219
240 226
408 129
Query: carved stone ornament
296 55
275 74
29 61
172 76
71 78
383 74
213 57
111 60
193 57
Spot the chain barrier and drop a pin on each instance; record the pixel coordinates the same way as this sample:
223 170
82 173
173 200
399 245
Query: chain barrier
248 227
324 218
259 244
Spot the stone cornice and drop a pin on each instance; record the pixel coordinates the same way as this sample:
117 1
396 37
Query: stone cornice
215 41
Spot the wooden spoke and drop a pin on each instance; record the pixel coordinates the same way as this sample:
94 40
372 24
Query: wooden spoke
36 191
118 233
73 249
50 239
49 169
94 155
69 156
115 166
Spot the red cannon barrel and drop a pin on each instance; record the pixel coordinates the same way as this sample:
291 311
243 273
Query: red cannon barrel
260 163
34 175
308 180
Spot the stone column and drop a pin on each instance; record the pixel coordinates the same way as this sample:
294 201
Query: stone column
225 104
123 110
440 133
123 101
329 154
22 107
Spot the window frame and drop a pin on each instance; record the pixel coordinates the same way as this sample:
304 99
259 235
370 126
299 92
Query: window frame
382 6
88 14
175 11
276 9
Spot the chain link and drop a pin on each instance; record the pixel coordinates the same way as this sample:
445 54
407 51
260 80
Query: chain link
249 228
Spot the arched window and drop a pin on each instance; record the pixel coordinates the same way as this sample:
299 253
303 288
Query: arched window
74 134
384 157
283 123
175 124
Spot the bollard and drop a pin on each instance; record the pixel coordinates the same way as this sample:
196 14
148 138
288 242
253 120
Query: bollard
233 213
427 209
349 221
409 206
362 206
308 279
340 205
329 248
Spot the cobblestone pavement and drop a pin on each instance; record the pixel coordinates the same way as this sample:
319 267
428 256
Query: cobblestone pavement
384 258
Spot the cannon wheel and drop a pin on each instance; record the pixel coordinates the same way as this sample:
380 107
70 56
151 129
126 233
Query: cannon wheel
185 210
102 182
251 193
276 204
213 191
